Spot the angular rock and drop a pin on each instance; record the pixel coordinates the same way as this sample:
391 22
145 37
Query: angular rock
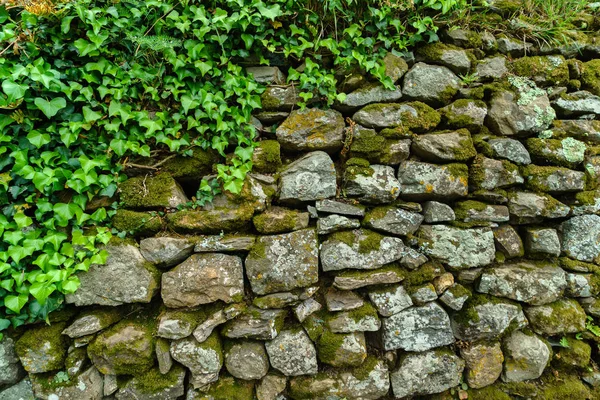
267 75
342 300
334 223
153 385
225 387
417 329
125 278
542 242
357 279
163 358
270 387
465 113
359 249
375 184
422 294
459 248
370 93
434 85
489 174
280 220
203 279
580 237
427 373
443 282
177 324
491 68
415 116
247 360
412 259
395 67
87 385
455 58
567 152
526 357
212 221
280 98
478 212
255 323
581 285
444 146
337 207
527 207
363 319
434 211
342 349
92 321
306 308
508 241
584 130
509 149
20 391
283 262
422 181
224 243
11 371
42 348
205 329
558 318
204 360
147 192
483 362
390 300
392 220
166 251
292 353
531 283
513 47
312 129
311 177
553 179
577 104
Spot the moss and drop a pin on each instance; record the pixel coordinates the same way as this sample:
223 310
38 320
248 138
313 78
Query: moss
577 266
192 168
315 324
189 317
399 132
229 388
537 176
328 346
454 118
364 275
312 387
357 166
145 192
212 221
278 221
267 156
576 355
551 70
561 314
377 213
565 387
587 198
424 274
365 311
346 237
362 372
427 118
574 84
369 241
590 77
153 381
137 223
457 291
488 393
462 208
367 144
446 95
45 343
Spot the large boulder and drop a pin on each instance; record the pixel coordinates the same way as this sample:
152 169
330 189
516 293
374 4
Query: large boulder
581 237
203 279
293 353
525 357
459 248
42 348
422 181
533 283
417 329
359 249
431 84
312 129
311 177
125 278
204 360
427 373
283 262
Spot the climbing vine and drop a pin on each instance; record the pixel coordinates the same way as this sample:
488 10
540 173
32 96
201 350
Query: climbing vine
88 87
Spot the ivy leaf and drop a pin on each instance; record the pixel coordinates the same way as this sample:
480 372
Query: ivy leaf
15 303
52 107
90 115
13 90
4 324
41 291
38 139
269 12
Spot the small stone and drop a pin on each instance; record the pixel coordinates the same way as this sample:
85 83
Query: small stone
355 280
270 387
255 323
203 279
417 329
334 223
226 387
267 75
370 93
224 243
392 220
306 308
342 349
591 305
20 391
92 321
42 348
163 357
147 192
542 242
377 186
490 69
359 249
292 353
553 179
415 116
455 297
311 177
454 58
390 300
247 360
443 282
444 147
509 149
558 318
580 237
395 67
434 211
535 284
481 213
489 174
412 259
87 385
177 324
483 362
508 241
513 47
465 113
581 285
430 84
166 251
280 220
342 300
362 319
423 294
280 98
312 129
526 357
427 373
337 207
110 385
204 360
422 181
153 385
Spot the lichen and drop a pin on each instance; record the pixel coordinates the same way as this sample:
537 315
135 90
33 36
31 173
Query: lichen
137 223
328 346
425 273
551 70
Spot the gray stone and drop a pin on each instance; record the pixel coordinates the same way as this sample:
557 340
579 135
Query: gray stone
427 373
380 186
530 114
390 300
528 207
247 360
280 98
577 104
558 318
591 305
306 308
125 278
465 113
423 294
270 387
110 385
488 42
170 386
459 248
177 324
381 276
392 220
204 360
292 353
271 117
280 220
455 59
416 116
312 129
88 385
342 300
526 357
542 242
554 179
166 251
523 281
371 93
444 146
92 321
412 259
587 131
163 358
422 181
205 329
223 243
311 177
20 391
483 362
255 323
363 319
395 66
417 329
483 319
203 279
333 223
337 207
11 371
430 84
395 151
491 68
267 75
581 285
481 213
513 47
283 262
510 149
581 237
455 297
490 174
343 250
434 211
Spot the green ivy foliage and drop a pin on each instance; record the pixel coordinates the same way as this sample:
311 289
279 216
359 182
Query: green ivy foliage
87 85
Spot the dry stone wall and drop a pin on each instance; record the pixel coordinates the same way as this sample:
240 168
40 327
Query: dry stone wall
437 241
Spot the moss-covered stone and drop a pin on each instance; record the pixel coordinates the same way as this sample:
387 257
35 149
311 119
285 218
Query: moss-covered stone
147 192
137 223
367 144
543 70
279 220
266 157
590 77
212 221
228 388
488 393
43 348
576 355
552 179
424 274
192 168
567 152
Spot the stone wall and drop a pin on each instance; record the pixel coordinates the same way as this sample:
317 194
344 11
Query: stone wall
439 240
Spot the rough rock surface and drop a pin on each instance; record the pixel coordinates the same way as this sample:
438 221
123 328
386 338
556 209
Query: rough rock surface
247 360
165 251
292 353
483 363
580 237
309 178
312 129
430 84
526 357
